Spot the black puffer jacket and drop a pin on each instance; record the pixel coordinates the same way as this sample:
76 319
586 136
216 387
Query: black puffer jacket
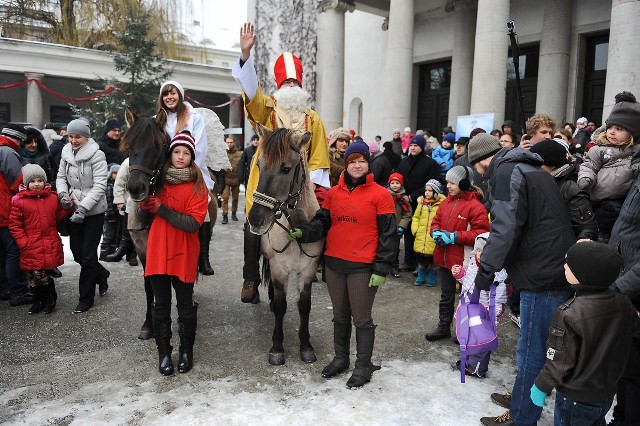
578 202
417 170
111 149
530 231
588 346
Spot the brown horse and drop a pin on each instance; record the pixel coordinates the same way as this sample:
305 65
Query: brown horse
285 197
147 143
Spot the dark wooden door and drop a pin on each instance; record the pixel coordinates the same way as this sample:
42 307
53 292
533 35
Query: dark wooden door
433 97
595 77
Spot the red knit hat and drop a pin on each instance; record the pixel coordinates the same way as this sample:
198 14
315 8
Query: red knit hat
396 176
184 138
287 66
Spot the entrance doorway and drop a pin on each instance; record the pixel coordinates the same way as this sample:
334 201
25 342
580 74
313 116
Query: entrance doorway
595 77
433 96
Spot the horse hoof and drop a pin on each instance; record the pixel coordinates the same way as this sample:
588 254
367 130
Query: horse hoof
276 359
308 356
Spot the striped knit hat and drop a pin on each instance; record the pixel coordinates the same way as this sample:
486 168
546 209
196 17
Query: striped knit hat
184 138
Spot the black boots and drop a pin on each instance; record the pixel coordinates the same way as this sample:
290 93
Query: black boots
187 322
123 249
443 329
51 297
204 235
363 370
162 331
341 343
39 296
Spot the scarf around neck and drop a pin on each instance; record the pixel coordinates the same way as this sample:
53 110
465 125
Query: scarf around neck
176 176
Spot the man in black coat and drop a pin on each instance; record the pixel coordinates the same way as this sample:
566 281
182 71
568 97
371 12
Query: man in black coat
109 142
416 169
244 165
384 164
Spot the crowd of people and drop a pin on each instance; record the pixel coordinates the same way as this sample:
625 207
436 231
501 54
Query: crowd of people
549 217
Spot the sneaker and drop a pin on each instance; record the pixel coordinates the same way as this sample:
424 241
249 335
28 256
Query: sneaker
503 419
467 372
234 217
515 318
502 399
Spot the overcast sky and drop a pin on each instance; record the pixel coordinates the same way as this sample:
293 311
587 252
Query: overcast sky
216 20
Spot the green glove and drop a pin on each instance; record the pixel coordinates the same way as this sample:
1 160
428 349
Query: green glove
294 234
377 280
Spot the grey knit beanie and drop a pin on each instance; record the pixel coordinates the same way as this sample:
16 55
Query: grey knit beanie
627 115
435 186
482 146
457 173
32 171
79 126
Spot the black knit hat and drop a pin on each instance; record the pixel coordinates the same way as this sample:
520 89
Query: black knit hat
482 146
595 265
553 154
357 147
111 124
627 115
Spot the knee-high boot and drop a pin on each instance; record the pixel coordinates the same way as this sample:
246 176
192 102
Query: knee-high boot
204 235
341 344
162 332
188 322
364 368
51 297
146 331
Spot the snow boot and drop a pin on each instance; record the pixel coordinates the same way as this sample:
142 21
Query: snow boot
443 329
432 274
187 322
162 331
341 343
204 235
51 297
38 299
421 278
365 337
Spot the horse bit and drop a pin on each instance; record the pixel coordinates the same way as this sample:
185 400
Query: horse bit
282 208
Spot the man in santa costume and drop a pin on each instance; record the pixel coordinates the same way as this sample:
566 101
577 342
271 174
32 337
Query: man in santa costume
287 108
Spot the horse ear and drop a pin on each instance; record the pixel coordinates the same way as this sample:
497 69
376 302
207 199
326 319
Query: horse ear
161 118
301 140
262 131
130 117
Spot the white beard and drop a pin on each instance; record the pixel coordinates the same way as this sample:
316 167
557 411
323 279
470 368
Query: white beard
294 99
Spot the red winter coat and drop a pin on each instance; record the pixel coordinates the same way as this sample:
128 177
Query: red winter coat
10 176
465 215
172 251
33 224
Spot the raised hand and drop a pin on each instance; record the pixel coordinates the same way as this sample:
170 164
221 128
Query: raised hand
247 40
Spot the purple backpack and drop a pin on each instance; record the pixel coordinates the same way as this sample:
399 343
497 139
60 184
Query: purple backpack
476 326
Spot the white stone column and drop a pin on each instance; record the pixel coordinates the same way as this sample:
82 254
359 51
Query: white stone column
330 63
624 56
464 30
490 59
399 66
34 101
553 68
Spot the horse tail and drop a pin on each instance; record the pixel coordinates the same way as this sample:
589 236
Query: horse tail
266 276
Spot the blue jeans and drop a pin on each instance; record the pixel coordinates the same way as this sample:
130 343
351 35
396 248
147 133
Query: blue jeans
10 256
536 312
573 413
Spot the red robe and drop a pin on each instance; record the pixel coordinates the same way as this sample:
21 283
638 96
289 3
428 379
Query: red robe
172 251
33 224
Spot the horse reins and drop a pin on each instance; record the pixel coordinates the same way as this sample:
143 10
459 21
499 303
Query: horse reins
282 208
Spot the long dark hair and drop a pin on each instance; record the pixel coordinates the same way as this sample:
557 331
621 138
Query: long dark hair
181 109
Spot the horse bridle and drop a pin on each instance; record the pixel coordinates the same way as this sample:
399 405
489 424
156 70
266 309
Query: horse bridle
282 208
153 173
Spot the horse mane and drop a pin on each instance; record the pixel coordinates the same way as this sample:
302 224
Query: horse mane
141 130
276 148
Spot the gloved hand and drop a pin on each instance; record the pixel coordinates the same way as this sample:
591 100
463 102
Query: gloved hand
65 200
294 234
484 279
538 397
458 272
151 204
400 230
449 237
437 237
78 215
377 280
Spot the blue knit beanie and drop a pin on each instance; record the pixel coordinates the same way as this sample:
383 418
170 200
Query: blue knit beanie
418 140
357 147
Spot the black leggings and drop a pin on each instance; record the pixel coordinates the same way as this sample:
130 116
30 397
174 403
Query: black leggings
162 284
